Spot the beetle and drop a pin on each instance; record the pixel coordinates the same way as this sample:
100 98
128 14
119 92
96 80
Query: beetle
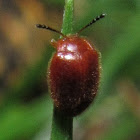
74 71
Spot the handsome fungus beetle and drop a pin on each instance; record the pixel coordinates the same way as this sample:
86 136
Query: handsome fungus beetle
74 72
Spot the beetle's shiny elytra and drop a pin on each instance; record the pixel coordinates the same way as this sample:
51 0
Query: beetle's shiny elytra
74 72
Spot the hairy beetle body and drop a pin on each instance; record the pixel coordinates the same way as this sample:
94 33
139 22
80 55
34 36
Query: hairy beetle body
73 74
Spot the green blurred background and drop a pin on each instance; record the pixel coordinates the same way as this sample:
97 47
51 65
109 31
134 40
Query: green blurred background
25 105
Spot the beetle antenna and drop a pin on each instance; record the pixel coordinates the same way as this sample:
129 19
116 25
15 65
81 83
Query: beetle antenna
93 21
49 28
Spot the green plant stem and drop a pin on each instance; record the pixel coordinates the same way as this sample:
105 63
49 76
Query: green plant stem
67 27
62 125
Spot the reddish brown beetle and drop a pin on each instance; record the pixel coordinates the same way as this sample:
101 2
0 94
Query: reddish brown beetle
74 72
